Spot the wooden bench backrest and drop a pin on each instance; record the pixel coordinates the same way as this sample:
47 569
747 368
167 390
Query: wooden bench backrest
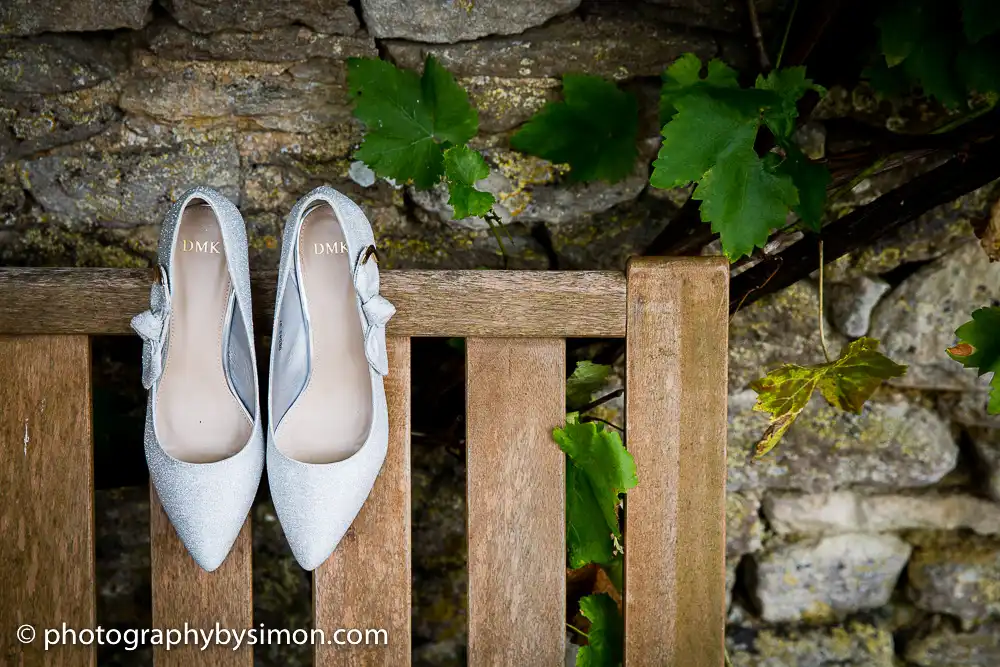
673 314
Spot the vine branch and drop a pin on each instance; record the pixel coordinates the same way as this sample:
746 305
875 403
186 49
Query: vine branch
822 332
959 176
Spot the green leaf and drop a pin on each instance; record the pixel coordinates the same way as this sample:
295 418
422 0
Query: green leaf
811 180
887 81
979 348
933 66
409 120
588 536
902 28
790 85
462 168
616 572
703 129
606 638
980 18
744 201
683 77
593 129
846 383
979 66
599 468
587 378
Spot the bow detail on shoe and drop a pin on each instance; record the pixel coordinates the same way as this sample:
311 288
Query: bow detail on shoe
151 325
376 308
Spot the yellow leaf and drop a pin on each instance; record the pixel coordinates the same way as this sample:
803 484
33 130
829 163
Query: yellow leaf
846 383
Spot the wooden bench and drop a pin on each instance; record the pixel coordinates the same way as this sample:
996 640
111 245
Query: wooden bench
673 314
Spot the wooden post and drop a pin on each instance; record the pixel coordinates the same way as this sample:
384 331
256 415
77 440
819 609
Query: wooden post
516 502
675 410
183 593
46 498
365 584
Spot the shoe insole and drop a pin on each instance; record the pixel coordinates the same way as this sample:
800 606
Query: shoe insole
198 418
330 419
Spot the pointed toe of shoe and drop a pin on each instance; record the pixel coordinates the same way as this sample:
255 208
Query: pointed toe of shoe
316 504
313 525
207 503
310 552
208 548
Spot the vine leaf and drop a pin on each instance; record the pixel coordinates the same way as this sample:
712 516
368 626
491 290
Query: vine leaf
598 470
980 18
846 383
694 140
811 180
684 77
462 168
744 200
409 120
789 85
922 44
605 640
902 27
709 139
587 378
593 129
979 348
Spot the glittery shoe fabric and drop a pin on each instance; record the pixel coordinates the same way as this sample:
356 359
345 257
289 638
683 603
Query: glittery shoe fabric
317 502
207 503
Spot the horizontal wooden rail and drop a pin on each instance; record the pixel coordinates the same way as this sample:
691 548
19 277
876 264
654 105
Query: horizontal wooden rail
491 304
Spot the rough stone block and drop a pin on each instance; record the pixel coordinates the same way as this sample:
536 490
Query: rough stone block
829 578
294 97
946 646
986 444
457 20
32 17
335 17
856 645
892 444
852 303
916 322
957 575
782 328
848 512
58 63
618 44
743 527
128 188
279 44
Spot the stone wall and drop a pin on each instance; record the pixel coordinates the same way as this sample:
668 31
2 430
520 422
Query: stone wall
862 540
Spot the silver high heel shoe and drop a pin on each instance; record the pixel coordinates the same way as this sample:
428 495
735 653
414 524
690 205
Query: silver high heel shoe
204 442
327 419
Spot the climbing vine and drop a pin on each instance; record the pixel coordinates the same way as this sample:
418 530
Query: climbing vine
735 146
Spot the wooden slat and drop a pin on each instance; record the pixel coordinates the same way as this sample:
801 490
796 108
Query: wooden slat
184 593
516 502
46 496
365 584
428 303
676 423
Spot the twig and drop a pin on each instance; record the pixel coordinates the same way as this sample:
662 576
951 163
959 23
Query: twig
578 631
822 333
788 30
601 401
865 225
746 296
584 420
758 35
495 223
